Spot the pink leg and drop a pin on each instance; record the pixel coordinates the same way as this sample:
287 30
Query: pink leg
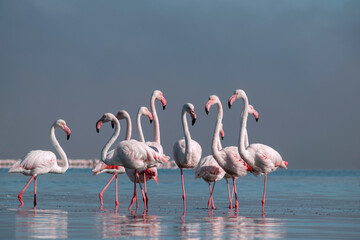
142 191
102 192
212 191
147 199
183 188
230 199
22 191
236 198
134 197
209 202
34 192
116 191
263 200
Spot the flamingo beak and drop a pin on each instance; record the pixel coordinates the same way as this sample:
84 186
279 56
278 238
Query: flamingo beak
98 125
112 124
231 100
193 121
163 102
206 110
155 179
68 137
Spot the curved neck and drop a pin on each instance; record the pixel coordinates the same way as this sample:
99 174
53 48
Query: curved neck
140 131
106 147
245 155
216 145
60 151
128 127
246 138
155 120
186 132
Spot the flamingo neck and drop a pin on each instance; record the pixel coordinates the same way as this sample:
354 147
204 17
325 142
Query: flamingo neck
128 126
244 153
60 151
110 142
155 120
186 133
216 145
139 127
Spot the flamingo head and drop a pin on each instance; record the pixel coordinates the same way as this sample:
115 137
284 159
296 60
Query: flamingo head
62 124
145 111
212 100
189 108
107 117
222 133
151 173
253 112
120 115
239 93
160 96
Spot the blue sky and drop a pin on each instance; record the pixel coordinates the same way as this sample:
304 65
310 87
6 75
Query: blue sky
298 62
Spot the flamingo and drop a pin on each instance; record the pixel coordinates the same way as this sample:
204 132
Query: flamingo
156 144
210 171
129 153
261 158
228 158
150 173
114 170
38 162
187 152
227 176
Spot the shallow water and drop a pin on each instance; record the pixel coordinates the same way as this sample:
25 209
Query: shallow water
299 204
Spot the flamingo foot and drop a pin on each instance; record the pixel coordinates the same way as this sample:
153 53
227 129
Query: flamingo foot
21 201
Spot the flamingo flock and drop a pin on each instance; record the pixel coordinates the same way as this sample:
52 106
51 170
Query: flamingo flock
139 159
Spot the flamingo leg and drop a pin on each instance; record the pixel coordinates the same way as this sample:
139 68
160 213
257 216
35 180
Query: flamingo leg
211 193
230 199
142 191
209 202
23 190
263 200
134 197
183 188
35 181
147 199
116 191
236 198
102 192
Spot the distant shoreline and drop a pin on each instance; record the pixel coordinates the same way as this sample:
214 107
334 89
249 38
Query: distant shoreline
78 163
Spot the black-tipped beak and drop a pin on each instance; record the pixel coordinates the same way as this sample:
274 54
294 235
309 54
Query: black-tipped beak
193 121
222 138
150 121
207 112
257 119
68 137
112 124
229 104
97 130
164 107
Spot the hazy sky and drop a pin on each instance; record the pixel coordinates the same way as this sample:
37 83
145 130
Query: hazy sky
298 61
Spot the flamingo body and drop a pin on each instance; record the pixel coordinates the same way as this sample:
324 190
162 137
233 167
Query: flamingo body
38 162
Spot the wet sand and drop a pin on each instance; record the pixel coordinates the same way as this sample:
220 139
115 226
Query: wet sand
299 204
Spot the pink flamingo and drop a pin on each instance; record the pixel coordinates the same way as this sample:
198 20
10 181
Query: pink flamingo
156 144
39 162
210 171
129 153
101 167
261 158
228 158
187 152
150 173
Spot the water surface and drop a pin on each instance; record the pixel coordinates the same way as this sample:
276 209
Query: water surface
299 204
